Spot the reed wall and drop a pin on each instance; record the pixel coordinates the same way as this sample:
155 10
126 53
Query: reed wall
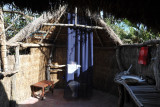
31 70
129 55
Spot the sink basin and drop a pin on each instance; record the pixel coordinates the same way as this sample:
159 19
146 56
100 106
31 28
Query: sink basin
132 77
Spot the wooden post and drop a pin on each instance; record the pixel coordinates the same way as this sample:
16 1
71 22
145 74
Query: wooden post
3 41
48 66
156 68
14 93
121 96
16 67
0 64
75 16
118 59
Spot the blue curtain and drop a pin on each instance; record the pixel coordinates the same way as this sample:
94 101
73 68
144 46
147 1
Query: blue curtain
80 49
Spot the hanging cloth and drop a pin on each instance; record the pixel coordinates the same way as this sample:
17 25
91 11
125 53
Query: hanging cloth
71 64
143 55
79 50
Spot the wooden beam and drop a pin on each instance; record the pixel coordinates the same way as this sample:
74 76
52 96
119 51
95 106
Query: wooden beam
36 45
57 66
25 45
39 38
7 74
73 25
54 71
95 47
132 94
40 32
52 45
3 42
13 44
146 43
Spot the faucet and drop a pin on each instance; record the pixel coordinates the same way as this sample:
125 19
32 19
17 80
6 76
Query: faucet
127 72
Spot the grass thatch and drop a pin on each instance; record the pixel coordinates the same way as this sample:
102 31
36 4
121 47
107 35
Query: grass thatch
36 24
109 31
144 11
47 17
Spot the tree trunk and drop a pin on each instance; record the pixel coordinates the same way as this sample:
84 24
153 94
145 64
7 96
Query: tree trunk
3 41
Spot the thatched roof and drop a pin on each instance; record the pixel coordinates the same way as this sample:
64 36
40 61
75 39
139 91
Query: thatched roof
137 11
36 24
46 17
109 31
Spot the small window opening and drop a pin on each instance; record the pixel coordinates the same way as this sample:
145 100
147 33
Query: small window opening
22 51
11 51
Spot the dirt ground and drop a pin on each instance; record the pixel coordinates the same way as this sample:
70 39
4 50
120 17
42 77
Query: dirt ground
99 99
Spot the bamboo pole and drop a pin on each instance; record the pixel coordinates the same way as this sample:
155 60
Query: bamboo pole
3 41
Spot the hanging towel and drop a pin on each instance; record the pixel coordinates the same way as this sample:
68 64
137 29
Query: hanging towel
143 54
